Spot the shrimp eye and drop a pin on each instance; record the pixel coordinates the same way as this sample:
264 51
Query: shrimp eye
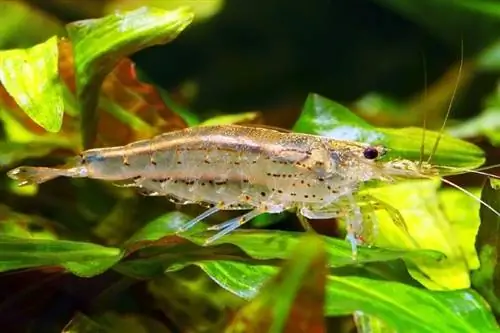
370 153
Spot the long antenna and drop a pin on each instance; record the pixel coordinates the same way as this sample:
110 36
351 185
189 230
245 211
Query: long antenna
424 125
448 112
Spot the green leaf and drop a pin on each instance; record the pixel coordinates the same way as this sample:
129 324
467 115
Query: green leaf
264 244
324 117
202 9
228 119
82 259
274 244
30 76
487 278
461 211
301 286
399 305
451 152
100 43
429 227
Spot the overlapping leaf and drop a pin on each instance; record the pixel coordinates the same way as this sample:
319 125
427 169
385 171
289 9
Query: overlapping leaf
128 109
31 77
100 44
239 245
324 117
83 259
161 249
399 305
429 227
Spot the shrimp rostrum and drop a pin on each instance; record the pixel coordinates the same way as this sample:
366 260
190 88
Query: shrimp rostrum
242 168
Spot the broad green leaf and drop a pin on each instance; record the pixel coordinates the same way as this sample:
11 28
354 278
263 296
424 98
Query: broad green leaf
30 76
261 245
82 259
419 204
451 152
399 305
486 280
325 117
301 286
274 244
99 44
322 116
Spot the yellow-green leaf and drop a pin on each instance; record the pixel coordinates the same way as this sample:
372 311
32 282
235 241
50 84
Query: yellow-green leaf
31 78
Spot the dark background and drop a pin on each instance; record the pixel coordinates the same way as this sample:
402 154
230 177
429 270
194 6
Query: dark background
267 55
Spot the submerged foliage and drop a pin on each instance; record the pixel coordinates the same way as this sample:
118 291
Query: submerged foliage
81 91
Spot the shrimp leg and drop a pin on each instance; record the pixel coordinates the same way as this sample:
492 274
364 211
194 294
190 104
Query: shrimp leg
198 219
333 211
228 226
305 223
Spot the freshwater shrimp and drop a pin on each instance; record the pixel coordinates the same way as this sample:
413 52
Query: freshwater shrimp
234 167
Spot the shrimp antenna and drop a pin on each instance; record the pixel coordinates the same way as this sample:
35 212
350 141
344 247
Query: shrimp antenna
488 167
460 171
448 112
424 124
468 193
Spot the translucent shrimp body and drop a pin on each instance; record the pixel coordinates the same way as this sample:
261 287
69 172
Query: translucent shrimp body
236 168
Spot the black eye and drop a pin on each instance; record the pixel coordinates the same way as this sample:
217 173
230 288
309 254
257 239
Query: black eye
370 153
